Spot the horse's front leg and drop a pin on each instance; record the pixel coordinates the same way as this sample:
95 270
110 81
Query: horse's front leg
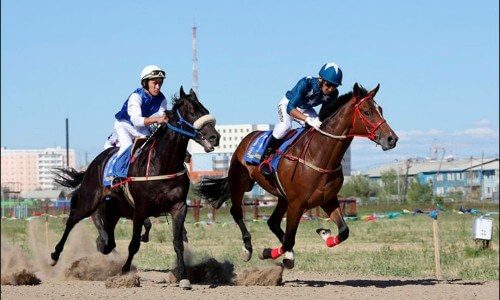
274 221
135 243
332 208
292 223
178 213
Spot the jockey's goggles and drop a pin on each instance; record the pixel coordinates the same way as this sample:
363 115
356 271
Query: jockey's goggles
328 84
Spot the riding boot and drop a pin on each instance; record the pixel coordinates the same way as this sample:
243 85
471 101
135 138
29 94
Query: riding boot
271 147
265 166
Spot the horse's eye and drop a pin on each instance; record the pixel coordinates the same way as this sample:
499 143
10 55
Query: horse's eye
367 113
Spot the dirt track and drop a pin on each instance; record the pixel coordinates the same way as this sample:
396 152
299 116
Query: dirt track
296 285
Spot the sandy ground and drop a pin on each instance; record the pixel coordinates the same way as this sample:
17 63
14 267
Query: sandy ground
296 285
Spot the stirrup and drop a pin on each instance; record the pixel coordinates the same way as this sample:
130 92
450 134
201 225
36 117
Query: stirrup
265 168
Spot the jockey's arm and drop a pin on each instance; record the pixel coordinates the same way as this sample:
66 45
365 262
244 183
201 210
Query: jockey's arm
134 110
298 115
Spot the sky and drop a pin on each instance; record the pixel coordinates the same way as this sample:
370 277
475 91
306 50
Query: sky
437 63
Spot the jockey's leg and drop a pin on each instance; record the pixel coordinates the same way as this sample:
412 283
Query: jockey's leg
332 208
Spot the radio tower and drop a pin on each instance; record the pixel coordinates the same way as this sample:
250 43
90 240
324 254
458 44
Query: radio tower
195 61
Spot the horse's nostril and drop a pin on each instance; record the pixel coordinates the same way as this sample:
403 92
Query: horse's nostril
391 140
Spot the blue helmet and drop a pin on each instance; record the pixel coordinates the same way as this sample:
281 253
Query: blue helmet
331 73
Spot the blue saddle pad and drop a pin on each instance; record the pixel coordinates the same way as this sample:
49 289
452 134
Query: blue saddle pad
257 148
259 145
117 166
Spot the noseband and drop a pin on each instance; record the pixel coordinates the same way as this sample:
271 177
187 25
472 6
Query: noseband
370 127
193 130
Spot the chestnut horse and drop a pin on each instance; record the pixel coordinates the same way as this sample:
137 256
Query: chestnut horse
309 173
158 183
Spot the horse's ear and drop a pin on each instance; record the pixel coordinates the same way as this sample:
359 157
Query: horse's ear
192 93
356 91
374 91
181 92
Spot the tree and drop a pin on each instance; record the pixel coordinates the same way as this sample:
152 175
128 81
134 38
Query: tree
358 186
419 193
390 182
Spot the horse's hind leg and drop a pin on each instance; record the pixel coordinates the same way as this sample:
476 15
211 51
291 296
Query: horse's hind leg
240 182
147 228
178 212
276 217
75 216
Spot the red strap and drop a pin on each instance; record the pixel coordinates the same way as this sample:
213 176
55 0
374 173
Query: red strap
276 252
333 241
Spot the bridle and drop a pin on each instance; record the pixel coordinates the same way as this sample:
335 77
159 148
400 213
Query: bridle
193 130
370 127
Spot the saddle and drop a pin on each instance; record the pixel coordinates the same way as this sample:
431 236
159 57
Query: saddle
259 145
117 166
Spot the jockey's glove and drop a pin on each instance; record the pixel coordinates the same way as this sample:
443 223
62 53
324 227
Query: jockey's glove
313 122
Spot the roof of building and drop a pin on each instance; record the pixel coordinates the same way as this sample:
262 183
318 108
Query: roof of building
44 194
417 167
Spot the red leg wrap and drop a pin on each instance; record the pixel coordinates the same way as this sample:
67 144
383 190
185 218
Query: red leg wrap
276 252
332 241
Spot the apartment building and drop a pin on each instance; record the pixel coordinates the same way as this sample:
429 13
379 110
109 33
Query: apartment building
31 169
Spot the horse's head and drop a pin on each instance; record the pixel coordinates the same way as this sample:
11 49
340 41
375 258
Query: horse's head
367 119
198 124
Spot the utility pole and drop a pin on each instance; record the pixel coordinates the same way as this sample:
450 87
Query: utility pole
67 144
195 61
408 166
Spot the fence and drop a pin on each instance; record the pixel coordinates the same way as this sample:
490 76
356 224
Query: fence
347 205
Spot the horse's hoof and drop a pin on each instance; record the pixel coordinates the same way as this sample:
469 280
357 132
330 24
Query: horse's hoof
144 238
265 254
288 263
53 262
245 254
185 284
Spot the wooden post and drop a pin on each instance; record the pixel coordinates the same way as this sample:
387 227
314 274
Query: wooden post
196 210
256 209
437 257
46 232
213 214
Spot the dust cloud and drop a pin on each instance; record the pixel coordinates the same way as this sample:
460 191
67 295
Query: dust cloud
79 259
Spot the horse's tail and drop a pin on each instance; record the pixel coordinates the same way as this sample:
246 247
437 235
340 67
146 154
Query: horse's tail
69 177
215 190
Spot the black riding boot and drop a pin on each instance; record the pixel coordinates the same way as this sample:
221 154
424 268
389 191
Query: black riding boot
265 167
271 147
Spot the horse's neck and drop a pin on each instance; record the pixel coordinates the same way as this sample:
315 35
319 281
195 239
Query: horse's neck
325 151
169 153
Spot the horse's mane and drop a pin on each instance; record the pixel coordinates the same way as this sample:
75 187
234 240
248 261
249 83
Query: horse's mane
330 108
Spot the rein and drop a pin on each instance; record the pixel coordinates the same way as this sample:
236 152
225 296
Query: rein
370 130
369 127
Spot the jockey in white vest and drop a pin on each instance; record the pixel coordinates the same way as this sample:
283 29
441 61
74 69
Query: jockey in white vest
144 107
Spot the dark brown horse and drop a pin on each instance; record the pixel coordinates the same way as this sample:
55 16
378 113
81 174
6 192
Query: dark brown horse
159 183
308 175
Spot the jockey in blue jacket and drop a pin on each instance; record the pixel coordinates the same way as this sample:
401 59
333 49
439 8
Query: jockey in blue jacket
298 103
145 106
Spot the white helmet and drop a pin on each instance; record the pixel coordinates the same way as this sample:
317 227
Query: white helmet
152 72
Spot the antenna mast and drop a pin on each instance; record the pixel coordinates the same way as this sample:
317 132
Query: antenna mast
195 61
